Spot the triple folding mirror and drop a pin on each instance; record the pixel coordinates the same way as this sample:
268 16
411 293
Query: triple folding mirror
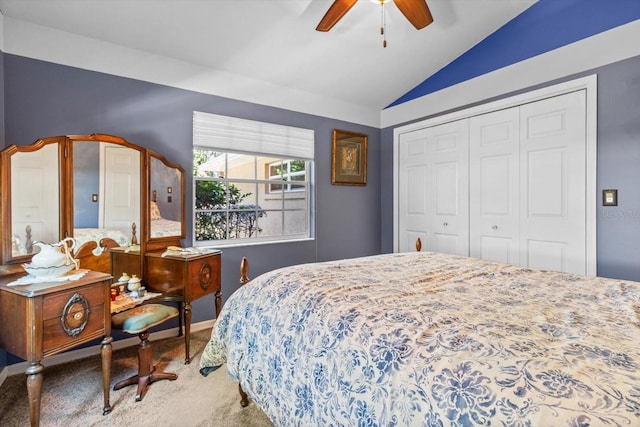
88 187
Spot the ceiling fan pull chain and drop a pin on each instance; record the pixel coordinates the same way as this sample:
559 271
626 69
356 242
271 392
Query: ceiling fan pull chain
383 24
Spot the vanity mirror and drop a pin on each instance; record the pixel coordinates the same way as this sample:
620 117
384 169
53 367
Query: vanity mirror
166 204
94 188
106 186
32 194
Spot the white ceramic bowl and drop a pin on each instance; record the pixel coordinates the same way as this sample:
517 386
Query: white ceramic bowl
52 272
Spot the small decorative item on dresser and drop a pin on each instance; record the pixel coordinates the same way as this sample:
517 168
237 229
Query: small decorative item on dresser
134 284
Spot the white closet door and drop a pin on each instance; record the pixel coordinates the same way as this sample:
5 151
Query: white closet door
448 155
413 215
120 204
434 189
35 197
553 184
494 140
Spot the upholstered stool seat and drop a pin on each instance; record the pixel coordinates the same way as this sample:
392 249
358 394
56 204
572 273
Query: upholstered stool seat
139 320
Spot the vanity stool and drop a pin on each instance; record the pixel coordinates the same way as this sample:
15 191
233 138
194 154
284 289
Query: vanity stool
139 320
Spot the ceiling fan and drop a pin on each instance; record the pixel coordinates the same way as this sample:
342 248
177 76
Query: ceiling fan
416 11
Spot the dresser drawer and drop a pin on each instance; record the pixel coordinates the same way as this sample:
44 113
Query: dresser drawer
71 316
204 277
54 303
190 277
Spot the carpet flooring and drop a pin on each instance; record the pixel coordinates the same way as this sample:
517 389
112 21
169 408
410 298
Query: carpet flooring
72 393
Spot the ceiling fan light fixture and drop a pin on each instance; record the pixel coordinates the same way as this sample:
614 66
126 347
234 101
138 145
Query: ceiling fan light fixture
416 11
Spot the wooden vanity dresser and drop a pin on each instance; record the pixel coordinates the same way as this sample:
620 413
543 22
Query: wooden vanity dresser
181 278
43 319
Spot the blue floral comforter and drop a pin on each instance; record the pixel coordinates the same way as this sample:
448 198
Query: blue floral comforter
426 339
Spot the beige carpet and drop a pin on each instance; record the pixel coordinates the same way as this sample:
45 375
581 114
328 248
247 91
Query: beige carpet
72 393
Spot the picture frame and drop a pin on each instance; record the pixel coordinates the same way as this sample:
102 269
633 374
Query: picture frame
349 158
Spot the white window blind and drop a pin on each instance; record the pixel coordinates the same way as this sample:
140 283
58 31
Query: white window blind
248 136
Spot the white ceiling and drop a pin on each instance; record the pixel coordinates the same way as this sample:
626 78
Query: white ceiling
275 40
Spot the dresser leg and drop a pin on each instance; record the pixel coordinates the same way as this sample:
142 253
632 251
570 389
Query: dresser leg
187 332
244 399
34 390
180 318
105 354
218 303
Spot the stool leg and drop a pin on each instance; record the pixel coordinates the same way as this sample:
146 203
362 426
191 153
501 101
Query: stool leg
147 373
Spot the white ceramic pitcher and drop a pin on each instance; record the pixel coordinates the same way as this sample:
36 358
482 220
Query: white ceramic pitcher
54 254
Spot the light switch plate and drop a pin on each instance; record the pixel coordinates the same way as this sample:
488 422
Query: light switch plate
609 197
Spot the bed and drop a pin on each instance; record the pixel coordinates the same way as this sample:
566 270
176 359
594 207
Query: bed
92 246
162 227
430 339
84 235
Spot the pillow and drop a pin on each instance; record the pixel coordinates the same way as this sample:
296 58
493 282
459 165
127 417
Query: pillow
155 211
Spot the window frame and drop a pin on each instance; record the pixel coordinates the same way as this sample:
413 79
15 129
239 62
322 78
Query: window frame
219 133
265 183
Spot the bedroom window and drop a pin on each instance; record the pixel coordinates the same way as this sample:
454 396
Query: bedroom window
251 181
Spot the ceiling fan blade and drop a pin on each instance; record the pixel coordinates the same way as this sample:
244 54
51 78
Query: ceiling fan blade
334 14
416 11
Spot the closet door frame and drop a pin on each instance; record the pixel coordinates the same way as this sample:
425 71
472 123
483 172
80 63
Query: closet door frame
589 84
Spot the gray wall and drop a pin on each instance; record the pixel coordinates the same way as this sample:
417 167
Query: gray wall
86 182
45 99
618 166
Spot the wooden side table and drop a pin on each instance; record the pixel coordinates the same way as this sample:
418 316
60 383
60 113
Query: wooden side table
184 278
43 319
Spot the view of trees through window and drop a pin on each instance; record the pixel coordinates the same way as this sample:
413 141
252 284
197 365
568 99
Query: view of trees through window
240 196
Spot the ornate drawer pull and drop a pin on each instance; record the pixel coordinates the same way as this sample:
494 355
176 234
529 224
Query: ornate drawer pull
205 275
75 315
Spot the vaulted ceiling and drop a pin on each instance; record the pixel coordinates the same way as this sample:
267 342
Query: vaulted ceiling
275 41
268 51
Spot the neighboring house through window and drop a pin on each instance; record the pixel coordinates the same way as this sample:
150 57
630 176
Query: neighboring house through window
252 181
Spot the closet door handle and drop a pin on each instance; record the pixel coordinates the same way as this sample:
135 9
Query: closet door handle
495 227
445 224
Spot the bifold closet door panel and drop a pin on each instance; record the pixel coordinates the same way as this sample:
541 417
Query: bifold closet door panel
413 216
434 189
448 189
494 207
553 183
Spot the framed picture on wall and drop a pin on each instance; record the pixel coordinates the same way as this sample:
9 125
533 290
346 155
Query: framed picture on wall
349 158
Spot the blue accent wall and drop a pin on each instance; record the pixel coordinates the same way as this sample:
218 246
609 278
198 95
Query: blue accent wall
546 25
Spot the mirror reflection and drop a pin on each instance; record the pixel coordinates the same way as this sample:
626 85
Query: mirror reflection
99 189
35 198
106 192
165 207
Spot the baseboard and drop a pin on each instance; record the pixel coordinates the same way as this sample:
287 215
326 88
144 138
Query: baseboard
69 356
3 375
